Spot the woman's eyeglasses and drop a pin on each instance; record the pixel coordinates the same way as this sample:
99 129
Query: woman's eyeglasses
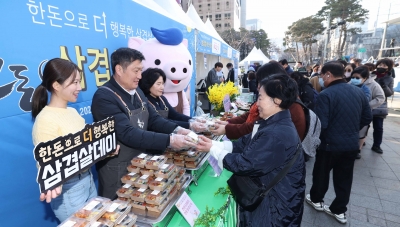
357 78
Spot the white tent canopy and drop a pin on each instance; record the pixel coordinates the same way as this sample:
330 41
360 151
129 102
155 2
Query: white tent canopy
255 55
198 23
213 32
155 7
173 8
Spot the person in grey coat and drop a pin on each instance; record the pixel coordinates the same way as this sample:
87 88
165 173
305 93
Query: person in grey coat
385 80
212 78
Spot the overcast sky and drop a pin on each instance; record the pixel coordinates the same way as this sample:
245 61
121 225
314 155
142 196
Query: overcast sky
277 15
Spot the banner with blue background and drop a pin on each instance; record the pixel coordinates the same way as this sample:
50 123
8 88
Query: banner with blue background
33 32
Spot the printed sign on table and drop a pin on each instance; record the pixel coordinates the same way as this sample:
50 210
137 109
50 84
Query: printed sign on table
227 103
66 156
187 208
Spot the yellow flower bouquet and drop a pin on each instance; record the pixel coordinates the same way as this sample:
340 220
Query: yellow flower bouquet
217 92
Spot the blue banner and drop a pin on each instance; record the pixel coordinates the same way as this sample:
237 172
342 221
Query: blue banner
207 44
33 32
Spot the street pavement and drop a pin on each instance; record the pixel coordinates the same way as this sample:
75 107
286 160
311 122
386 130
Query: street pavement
375 193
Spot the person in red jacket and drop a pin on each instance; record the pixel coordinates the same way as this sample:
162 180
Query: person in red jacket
239 126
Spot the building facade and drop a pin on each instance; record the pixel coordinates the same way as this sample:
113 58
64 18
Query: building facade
253 24
223 14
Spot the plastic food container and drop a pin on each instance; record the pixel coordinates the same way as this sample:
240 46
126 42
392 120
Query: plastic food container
169 154
173 192
125 191
133 169
93 209
156 197
180 156
165 171
117 210
140 160
143 181
139 207
169 161
149 172
180 163
102 222
139 194
124 199
130 178
193 156
155 210
181 173
180 181
128 221
159 184
210 125
155 162
193 136
192 164
75 222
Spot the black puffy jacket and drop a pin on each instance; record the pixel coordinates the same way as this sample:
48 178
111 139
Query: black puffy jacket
264 156
343 110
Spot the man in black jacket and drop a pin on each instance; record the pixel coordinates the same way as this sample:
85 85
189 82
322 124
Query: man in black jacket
231 73
339 139
121 98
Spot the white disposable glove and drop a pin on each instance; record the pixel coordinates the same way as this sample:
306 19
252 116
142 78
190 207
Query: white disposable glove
181 131
180 142
197 127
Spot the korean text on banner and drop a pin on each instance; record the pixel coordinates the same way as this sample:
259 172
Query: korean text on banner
66 156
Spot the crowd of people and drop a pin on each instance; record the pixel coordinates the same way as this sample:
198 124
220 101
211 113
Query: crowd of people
265 141
332 90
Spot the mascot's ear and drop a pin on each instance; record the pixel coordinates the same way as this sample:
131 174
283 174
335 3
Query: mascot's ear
135 42
185 42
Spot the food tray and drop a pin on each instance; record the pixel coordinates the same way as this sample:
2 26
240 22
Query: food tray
155 210
143 181
102 222
194 157
141 160
201 163
75 222
117 211
166 171
125 191
155 162
139 194
149 172
133 169
180 163
130 178
152 220
128 221
93 209
156 197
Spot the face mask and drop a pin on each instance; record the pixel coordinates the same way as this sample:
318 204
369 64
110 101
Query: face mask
347 74
321 82
356 82
381 70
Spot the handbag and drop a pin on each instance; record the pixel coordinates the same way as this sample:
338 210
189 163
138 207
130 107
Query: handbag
250 191
381 110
